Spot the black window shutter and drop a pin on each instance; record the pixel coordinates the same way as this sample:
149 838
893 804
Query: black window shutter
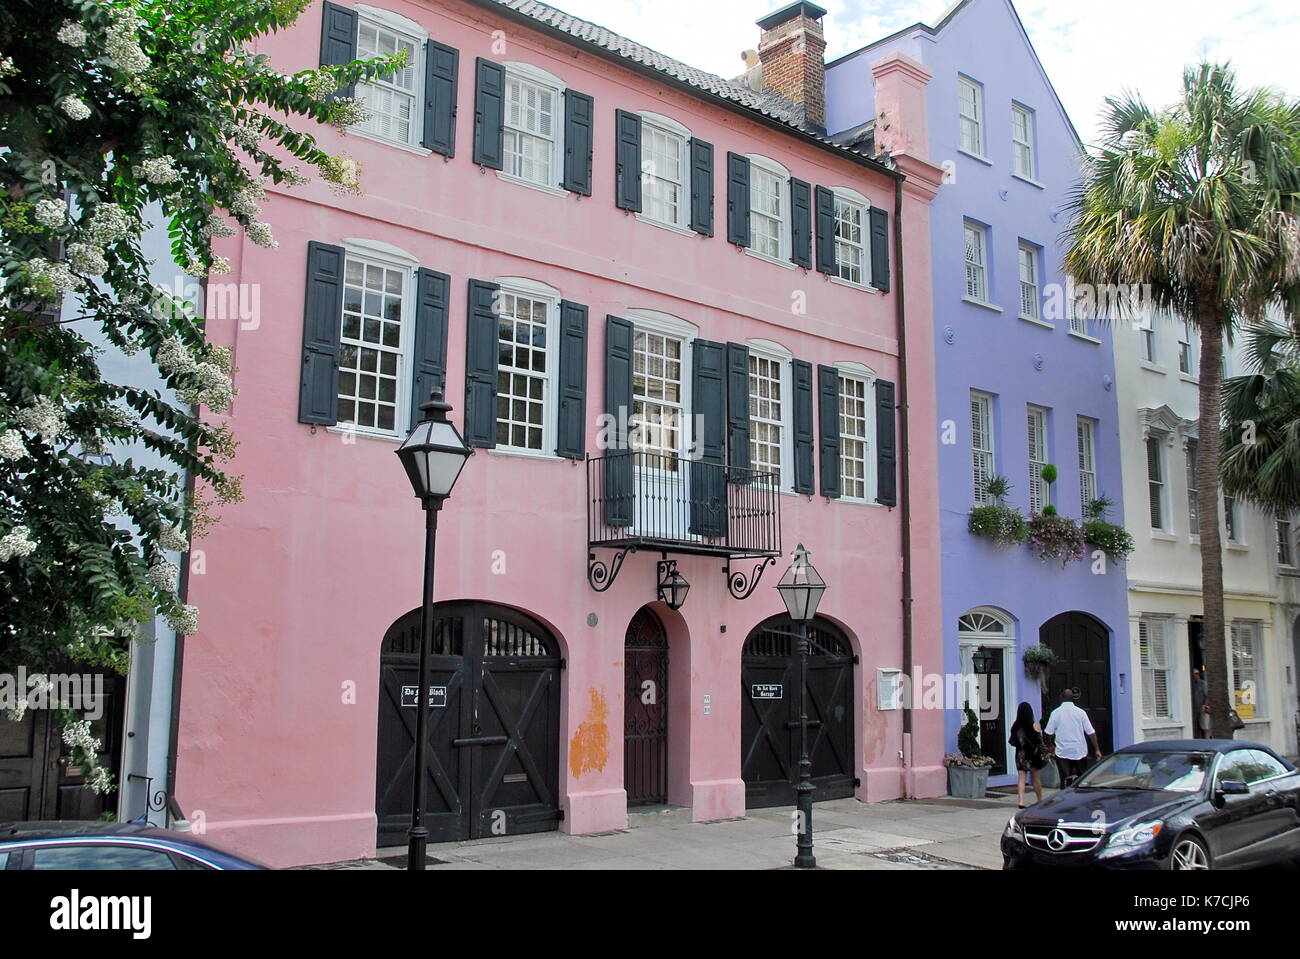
738 405
702 187
880 249
442 66
738 199
801 224
489 114
707 474
481 365
432 297
338 39
627 157
571 432
620 489
579 110
825 230
805 439
318 394
828 416
886 445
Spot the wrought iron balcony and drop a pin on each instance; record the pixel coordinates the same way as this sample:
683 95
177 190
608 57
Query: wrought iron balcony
669 504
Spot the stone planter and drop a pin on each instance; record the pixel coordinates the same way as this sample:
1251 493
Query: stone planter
968 782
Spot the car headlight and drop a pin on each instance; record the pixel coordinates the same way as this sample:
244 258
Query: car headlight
1134 837
1013 830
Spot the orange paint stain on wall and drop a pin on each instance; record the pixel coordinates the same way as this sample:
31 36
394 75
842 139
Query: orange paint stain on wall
589 748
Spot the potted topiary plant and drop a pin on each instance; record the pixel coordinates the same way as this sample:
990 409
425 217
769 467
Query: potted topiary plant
968 768
1001 524
1113 540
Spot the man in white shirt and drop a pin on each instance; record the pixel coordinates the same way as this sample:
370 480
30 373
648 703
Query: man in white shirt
1069 730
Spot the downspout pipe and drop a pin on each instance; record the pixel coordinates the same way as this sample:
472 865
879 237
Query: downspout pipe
905 487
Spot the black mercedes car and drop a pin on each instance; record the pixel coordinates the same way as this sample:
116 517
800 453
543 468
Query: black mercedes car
1190 804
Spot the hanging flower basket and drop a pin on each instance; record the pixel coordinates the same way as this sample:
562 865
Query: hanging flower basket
1039 660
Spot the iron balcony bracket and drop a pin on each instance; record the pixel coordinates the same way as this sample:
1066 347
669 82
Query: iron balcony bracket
601 575
740 584
154 801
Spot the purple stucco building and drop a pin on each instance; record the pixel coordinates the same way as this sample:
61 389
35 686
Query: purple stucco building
1020 381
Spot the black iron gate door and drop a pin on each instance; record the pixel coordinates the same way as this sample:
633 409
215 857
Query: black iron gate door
645 711
988 663
1082 647
770 713
493 757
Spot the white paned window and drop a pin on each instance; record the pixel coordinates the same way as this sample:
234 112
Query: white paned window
767 211
657 401
663 175
1087 438
1153 643
524 370
1285 543
1156 481
856 464
531 130
1230 519
1028 281
767 409
1193 490
976 270
1038 458
1022 141
981 443
971 112
850 239
371 354
1078 321
1147 337
392 101
1245 666
1186 361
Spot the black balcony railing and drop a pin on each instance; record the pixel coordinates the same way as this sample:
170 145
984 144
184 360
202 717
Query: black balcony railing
670 504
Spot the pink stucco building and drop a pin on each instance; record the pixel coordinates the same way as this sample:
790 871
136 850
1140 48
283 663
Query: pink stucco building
558 224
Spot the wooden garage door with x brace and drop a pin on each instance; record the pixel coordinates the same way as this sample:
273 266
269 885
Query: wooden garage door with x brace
494 725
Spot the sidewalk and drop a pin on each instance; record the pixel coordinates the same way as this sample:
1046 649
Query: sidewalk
940 833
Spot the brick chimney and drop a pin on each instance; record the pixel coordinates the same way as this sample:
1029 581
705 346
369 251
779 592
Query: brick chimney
792 50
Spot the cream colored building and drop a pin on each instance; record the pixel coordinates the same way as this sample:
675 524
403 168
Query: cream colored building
1156 378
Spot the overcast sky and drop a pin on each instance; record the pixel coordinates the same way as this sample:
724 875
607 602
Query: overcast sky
1083 50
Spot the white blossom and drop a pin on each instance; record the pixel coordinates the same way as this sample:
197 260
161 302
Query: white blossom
72 33
343 173
99 781
12 446
217 226
174 357
87 258
260 233
244 202
220 265
17 542
123 46
77 735
74 108
7 67
173 539
44 418
321 84
184 620
53 279
108 224
157 170
163 575
51 212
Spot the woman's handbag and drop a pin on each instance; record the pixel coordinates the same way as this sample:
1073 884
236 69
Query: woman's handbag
1236 720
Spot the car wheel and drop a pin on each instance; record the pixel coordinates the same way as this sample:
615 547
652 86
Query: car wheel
1189 853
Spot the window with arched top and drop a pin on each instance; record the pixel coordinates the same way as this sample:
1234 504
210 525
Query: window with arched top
985 623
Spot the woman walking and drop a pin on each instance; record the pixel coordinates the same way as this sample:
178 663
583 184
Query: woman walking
1031 751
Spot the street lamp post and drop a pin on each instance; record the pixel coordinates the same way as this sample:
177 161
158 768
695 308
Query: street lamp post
433 455
801 589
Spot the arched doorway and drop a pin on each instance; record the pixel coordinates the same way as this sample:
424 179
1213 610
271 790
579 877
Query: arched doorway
645 710
986 639
1082 647
769 724
494 725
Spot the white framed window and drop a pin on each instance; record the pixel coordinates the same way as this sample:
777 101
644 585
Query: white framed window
1245 669
1028 256
769 411
1086 433
1286 544
1193 490
1153 650
1186 358
1231 521
983 462
857 432
534 117
664 164
527 321
660 388
394 102
1147 338
976 268
374 342
1156 481
1077 317
970 110
1022 142
769 208
1039 494
852 237
889 688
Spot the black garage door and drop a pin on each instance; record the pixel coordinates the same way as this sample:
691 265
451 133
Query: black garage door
770 713
494 728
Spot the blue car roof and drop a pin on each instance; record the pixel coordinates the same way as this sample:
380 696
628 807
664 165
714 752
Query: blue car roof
18 832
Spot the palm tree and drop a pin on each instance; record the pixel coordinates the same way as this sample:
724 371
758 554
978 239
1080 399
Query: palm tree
1261 435
1199 204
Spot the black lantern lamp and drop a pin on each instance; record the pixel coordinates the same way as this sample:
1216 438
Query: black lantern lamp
673 586
433 455
802 588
